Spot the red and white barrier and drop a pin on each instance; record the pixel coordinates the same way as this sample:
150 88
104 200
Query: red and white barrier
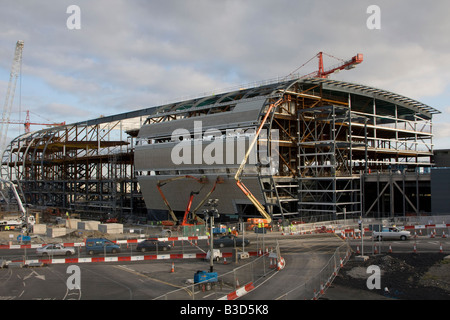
113 259
81 244
239 292
123 258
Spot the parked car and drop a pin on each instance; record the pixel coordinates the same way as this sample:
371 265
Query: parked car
153 245
391 233
230 241
100 245
55 250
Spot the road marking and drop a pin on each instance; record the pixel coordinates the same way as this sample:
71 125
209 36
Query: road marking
209 295
125 268
42 277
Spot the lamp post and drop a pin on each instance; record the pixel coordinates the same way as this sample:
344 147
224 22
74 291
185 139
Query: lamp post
211 214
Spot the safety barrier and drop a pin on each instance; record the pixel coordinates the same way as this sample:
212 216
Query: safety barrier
232 284
317 285
118 258
431 230
124 241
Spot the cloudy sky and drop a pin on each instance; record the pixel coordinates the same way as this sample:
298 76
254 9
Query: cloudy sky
133 54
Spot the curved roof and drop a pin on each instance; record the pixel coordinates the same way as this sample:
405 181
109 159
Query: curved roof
263 89
372 92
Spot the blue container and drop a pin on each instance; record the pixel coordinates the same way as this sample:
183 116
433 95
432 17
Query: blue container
23 238
219 230
204 277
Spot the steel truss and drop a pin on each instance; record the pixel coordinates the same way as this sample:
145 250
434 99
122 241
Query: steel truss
80 168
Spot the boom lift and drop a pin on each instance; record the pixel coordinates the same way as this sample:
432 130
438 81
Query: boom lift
186 220
321 73
191 198
24 222
238 175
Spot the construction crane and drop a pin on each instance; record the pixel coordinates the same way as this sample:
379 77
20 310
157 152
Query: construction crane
27 123
15 71
322 73
345 65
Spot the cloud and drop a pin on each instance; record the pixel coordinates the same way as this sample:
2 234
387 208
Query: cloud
136 54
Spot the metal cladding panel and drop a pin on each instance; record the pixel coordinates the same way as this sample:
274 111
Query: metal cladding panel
178 193
217 154
440 186
243 115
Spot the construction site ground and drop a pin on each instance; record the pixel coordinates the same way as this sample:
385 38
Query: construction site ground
405 276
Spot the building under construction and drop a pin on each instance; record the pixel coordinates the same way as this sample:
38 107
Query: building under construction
324 149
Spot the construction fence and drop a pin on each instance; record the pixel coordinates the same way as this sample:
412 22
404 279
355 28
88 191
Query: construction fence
228 283
316 285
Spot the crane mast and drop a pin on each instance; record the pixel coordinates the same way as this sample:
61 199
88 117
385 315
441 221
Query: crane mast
15 71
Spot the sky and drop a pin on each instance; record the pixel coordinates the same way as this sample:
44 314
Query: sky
133 54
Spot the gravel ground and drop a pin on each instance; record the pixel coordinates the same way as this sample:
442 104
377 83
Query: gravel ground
408 276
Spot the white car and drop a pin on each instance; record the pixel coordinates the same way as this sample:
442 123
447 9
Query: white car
55 250
391 233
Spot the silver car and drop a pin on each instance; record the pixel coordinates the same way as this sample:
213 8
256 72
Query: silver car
392 233
55 250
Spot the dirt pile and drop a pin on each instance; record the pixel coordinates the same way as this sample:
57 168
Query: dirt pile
424 276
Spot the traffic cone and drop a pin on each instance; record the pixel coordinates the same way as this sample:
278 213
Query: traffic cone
173 268
443 234
390 249
357 249
432 234
225 260
415 248
375 250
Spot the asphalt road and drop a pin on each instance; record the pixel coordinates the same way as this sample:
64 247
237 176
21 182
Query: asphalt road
146 280
305 257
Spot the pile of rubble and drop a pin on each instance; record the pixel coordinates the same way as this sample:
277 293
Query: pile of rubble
403 276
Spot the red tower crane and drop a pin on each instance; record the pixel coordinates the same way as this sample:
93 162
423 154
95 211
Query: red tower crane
322 73
27 123
345 65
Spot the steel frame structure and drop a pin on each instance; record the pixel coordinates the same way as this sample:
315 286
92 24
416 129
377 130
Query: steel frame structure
84 168
332 138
